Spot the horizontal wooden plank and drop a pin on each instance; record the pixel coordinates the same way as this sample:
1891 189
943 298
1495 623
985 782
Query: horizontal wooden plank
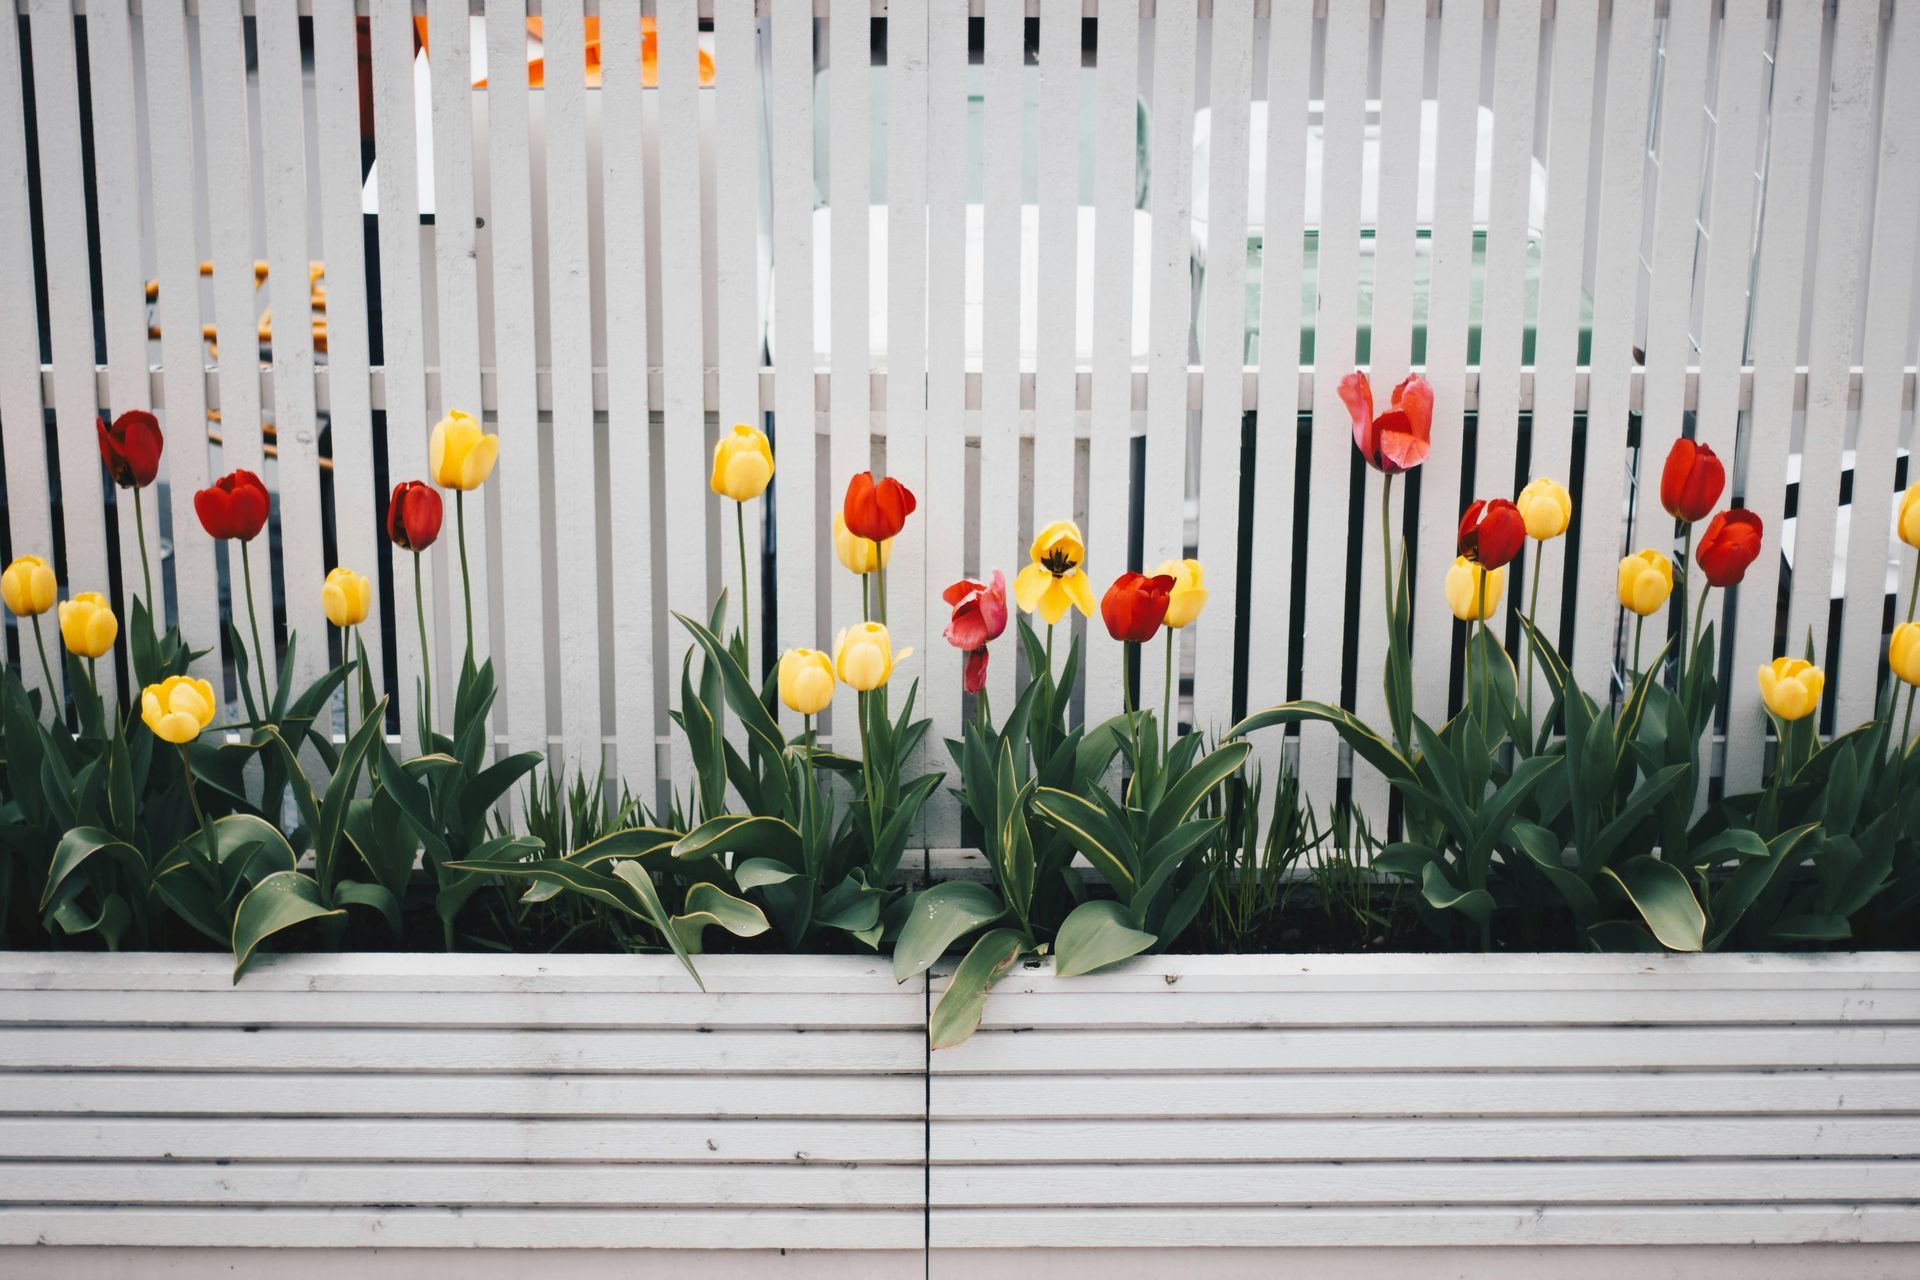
1146 1140
433 972
1425 1182
817 1011
1839 1223
610 1096
271 1049
372 1186
507 1141
1625 1092
1467 1049
467 1228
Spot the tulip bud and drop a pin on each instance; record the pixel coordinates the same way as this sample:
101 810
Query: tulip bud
861 555
1189 594
177 708
806 681
742 464
1791 687
1691 481
1730 544
1909 522
1646 580
1903 652
234 506
87 625
1547 508
1492 533
1135 606
877 509
1473 591
863 656
131 448
28 586
459 454
413 516
346 596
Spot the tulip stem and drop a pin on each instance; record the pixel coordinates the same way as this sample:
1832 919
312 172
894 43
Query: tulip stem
193 796
1639 625
866 598
466 582
146 568
1166 697
1699 617
880 589
346 660
866 776
426 664
1906 725
46 669
1049 651
1913 592
1386 548
1533 625
253 621
740 536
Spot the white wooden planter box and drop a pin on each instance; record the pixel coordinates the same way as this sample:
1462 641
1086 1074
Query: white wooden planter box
790 1121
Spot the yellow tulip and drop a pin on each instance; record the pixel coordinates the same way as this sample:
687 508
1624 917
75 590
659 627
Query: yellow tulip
742 464
1055 579
1910 515
1189 594
1465 591
1547 508
87 624
28 586
1646 580
1791 687
1903 652
460 455
346 596
806 681
864 658
177 708
862 555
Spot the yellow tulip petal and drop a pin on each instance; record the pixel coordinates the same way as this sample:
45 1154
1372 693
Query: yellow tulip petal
1080 590
478 464
1029 585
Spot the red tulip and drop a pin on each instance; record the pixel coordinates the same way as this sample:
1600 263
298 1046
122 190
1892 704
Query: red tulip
131 448
1135 606
234 506
1492 533
413 516
979 611
1397 440
1691 481
1730 544
877 509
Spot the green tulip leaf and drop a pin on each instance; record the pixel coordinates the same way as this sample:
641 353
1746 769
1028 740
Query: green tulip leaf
1660 893
742 835
708 904
281 901
936 919
1097 934
756 873
957 1013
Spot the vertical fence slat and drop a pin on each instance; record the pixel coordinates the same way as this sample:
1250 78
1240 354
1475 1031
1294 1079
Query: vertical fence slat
1402 71
403 333
1000 340
946 448
1669 344
29 506
229 204
1792 111
1058 145
1516 60
1722 339
357 509
689 502
1883 375
116 148
576 515
1109 444
1848 157
63 228
1334 346
1615 294
1448 315
1163 495
629 433
1276 449
850 191
170 144
913 614
283 158
456 281
794 395
1225 357
1563 252
510 215
737 261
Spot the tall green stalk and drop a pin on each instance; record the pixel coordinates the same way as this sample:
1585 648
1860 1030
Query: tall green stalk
253 622
466 581
426 661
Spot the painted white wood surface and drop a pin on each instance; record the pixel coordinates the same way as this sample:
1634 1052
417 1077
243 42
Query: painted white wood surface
1571 96
1304 1099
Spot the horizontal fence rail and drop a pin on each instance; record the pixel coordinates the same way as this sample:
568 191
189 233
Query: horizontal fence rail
1037 258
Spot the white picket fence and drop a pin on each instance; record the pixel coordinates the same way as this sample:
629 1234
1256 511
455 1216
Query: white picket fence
1719 201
